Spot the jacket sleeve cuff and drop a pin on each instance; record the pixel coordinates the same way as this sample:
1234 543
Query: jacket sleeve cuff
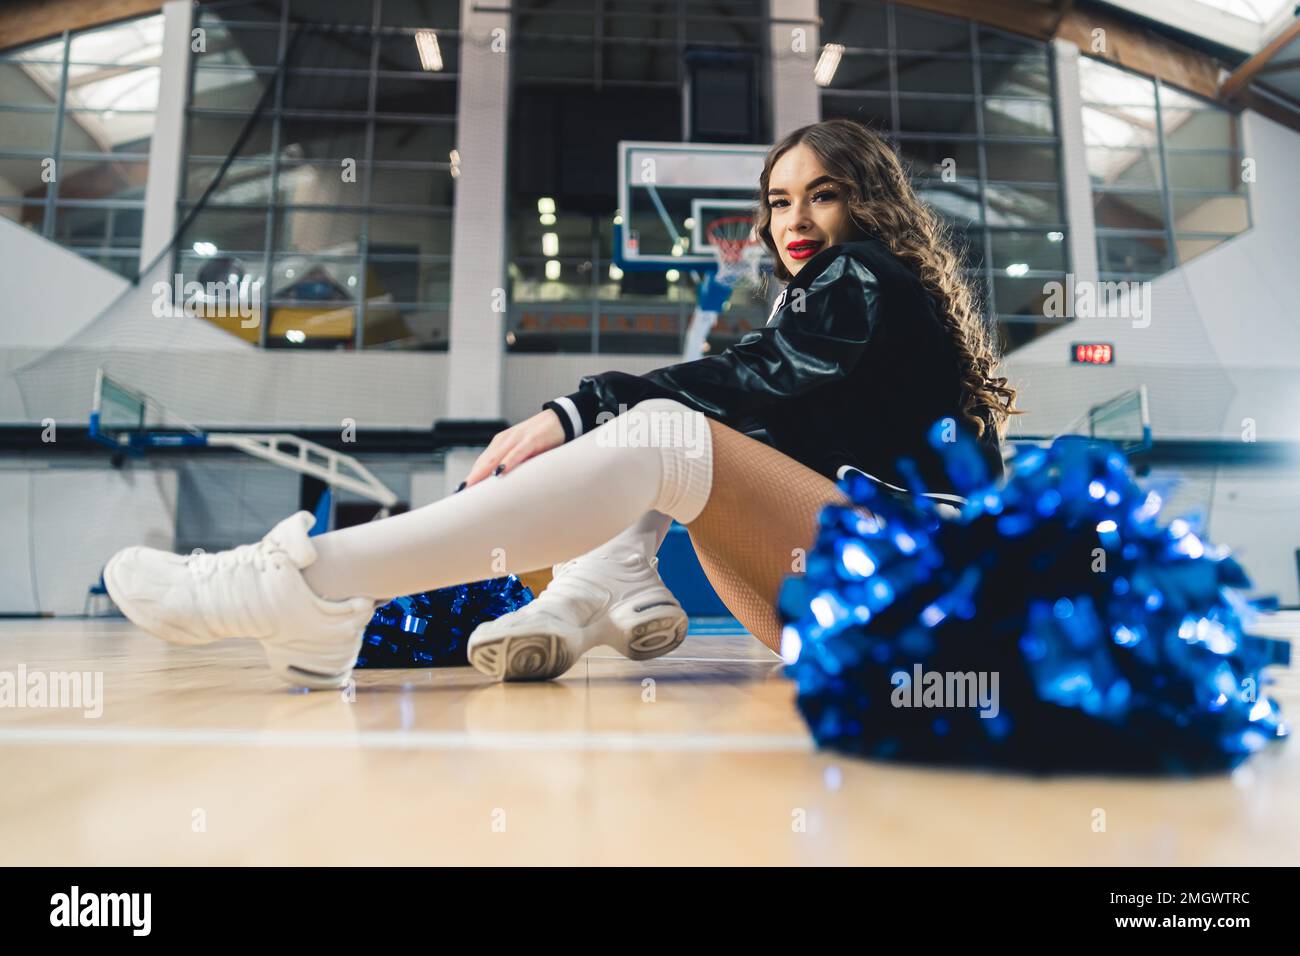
577 412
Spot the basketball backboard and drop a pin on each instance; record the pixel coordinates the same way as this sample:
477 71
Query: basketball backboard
127 420
130 422
117 414
669 193
1124 420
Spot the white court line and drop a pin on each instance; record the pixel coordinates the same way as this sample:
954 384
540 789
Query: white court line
412 740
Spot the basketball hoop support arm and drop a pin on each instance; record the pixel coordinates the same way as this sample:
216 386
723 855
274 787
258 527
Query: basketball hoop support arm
333 470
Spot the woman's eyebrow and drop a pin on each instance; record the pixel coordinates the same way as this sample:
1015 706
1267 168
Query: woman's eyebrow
777 191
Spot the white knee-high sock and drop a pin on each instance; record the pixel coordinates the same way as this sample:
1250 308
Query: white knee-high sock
658 456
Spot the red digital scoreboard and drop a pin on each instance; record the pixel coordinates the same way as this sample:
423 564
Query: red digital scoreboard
1092 353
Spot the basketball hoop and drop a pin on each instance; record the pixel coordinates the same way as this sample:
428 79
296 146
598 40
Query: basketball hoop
733 241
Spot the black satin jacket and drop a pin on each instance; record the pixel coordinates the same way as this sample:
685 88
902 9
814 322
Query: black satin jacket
852 368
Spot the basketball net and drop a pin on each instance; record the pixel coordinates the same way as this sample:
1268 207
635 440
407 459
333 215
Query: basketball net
736 246
732 241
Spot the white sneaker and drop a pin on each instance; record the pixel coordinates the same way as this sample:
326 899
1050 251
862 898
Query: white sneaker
255 590
616 600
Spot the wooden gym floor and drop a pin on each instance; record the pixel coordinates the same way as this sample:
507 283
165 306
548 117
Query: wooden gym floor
201 757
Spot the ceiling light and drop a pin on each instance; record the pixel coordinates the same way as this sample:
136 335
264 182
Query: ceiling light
828 63
426 42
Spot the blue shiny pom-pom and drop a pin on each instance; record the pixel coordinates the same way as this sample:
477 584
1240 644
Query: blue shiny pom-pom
432 629
1054 626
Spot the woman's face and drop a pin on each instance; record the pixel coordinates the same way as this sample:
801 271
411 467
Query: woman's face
809 212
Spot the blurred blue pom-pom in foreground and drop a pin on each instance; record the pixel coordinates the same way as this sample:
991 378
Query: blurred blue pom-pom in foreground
1055 626
431 629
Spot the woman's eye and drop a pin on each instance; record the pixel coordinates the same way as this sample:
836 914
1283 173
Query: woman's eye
828 196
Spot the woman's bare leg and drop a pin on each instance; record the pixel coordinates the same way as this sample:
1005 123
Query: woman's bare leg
759 522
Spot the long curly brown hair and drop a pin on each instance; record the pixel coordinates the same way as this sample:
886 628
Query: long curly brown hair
882 204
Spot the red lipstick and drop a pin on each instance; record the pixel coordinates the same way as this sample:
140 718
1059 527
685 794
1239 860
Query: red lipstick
803 248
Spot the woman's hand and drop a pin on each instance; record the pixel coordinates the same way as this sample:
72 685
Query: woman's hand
517 444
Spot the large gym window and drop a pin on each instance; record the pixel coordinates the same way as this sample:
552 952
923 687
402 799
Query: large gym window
972 111
340 202
76 115
584 77
1167 171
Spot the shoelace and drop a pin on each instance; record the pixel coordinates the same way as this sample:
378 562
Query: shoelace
261 555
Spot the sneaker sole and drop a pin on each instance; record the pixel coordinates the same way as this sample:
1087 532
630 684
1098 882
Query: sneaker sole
542 655
655 636
292 672
522 657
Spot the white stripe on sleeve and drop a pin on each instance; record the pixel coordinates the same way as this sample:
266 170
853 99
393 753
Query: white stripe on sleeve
566 403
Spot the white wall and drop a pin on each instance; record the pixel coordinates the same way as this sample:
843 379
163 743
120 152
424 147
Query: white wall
795 43
18 592
248 388
531 380
1223 342
63 523
168 137
47 290
479 239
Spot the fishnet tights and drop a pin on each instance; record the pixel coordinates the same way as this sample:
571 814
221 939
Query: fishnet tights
760 517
